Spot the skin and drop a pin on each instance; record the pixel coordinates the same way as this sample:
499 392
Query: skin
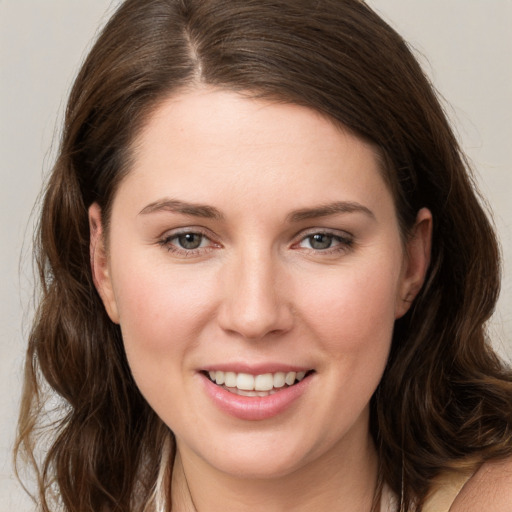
490 489
257 291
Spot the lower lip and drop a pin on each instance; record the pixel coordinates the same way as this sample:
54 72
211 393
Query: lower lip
255 408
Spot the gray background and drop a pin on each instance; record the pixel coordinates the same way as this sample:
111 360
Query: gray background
464 45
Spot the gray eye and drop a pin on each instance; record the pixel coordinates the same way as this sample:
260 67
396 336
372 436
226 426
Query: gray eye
320 241
190 240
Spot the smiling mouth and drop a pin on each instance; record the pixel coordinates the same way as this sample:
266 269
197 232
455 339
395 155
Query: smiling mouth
245 384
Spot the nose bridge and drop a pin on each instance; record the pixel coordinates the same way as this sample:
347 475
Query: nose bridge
254 300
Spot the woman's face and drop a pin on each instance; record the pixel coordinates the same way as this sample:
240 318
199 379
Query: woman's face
256 244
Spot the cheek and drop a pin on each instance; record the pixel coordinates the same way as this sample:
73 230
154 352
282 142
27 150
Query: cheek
353 312
162 310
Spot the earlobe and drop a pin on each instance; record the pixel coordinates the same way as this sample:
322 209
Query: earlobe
416 262
99 263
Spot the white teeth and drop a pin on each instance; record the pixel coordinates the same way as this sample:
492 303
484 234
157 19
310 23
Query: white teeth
259 384
241 392
290 378
279 379
245 381
300 375
246 393
230 379
264 382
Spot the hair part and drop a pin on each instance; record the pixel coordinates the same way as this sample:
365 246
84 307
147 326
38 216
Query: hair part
340 59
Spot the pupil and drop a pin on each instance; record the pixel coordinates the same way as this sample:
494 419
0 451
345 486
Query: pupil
190 240
320 241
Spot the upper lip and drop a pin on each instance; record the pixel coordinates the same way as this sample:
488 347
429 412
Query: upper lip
256 369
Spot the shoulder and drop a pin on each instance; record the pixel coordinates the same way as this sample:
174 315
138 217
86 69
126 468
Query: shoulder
488 490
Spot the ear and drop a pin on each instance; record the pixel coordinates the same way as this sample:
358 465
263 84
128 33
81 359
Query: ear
99 263
416 262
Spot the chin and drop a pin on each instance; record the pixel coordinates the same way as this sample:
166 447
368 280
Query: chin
260 455
258 467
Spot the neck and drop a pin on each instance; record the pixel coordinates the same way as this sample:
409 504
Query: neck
342 480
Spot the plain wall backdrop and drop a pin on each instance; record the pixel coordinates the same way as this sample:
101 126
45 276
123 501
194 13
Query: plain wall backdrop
464 45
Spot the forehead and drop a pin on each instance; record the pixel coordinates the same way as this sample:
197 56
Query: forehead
209 141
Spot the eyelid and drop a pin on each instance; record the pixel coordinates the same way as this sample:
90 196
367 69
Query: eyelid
345 238
165 239
341 233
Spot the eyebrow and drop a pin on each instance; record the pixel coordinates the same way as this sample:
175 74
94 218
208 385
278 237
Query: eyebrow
176 206
210 212
329 209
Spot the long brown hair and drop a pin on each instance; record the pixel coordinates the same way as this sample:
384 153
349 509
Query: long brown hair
445 398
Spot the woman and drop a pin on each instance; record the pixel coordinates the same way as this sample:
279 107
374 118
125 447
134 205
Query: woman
265 274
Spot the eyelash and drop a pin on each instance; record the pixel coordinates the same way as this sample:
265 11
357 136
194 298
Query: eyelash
167 243
344 243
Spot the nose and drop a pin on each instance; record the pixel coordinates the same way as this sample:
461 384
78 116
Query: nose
255 295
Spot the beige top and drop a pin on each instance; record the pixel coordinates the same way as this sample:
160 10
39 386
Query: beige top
445 489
